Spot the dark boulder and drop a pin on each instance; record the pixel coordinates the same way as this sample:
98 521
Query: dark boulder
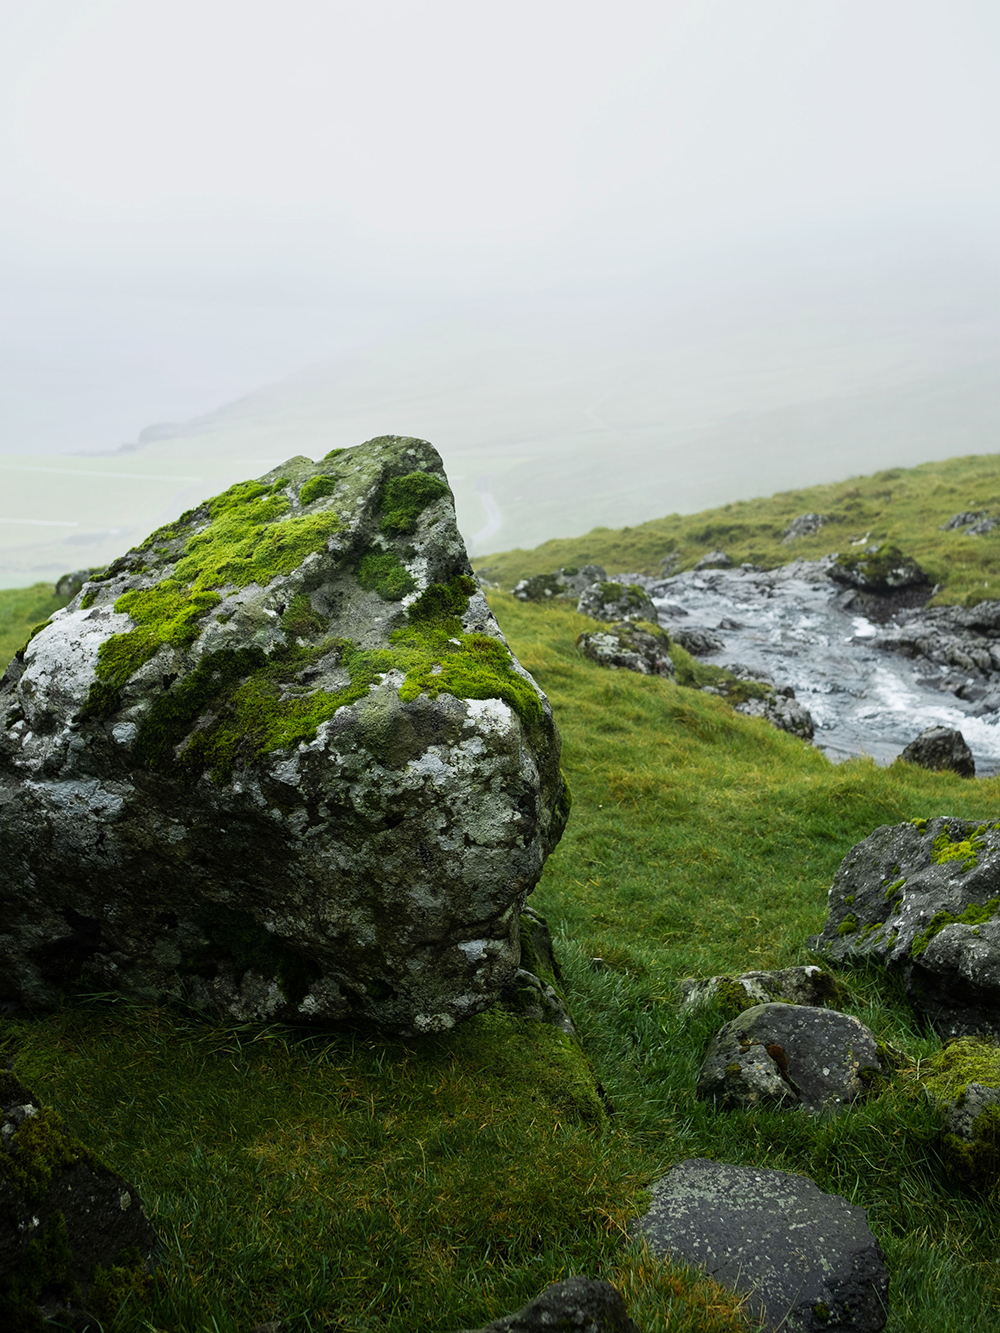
963 1080
575 1305
789 1054
965 637
806 1260
642 648
941 748
66 1220
879 568
792 985
714 560
923 899
696 640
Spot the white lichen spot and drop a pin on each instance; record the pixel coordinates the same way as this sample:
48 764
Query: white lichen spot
491 716
124 732
124 1200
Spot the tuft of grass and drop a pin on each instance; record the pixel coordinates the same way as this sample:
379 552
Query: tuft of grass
902 506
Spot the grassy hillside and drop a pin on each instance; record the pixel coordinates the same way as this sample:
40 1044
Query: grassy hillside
345 1181
21 609
903 505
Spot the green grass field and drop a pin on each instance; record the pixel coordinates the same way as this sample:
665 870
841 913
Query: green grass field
905 506
347 1181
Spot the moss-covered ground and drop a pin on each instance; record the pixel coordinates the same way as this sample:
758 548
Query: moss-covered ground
905 506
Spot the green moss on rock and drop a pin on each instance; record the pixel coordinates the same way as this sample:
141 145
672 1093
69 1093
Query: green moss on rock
384 573
974 915
405 498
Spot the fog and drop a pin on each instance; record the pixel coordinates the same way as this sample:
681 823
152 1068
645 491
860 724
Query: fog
614 263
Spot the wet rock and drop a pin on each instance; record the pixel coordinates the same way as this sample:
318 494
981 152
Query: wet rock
714 560
785 714
279 762
803 526
941 748
634 648
785 1054
616 601
794 985
696 640
967 637
575 1305
878 568
806 1260
64 1216
569 581
923 899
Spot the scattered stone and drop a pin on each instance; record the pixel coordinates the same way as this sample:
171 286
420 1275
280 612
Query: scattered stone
785 714
794 985
965 519
669 563
616 601
941 748
880 568
923 898
696 640
981 528
64 1217
570 581
963 1080
714 560
803 526
575 1305
279 762
806 1260
785 1054
645 649
535 990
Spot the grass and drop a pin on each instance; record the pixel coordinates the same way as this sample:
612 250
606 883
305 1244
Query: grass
346 1181
902 505
21 610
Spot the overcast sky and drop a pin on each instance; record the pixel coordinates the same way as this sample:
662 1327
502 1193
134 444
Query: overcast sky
199 196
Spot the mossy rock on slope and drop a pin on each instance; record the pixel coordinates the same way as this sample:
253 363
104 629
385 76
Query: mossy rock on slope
73 1234
963 1080
923 898
279 761
880 568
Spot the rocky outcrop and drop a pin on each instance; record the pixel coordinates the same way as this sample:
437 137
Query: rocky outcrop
642 648
879 568
973 522
575 1305
941 748
696 640
790 1054
279 761
714 560
616 601
569 581
806 1260
803 526
785 714
791 985
966 637
65 1219
923 898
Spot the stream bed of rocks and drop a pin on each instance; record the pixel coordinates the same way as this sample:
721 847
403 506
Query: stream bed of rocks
797 626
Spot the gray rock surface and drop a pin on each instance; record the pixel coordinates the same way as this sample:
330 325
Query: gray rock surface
803 526
630 647
575 1305
714 560
566 582
793 985
879 568
783 713
790 1053
941 748
965 637
695 639
51 1183
968 519
616 601
923 898
279 761
807 1260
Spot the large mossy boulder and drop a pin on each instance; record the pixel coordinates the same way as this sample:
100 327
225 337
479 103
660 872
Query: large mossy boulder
923 899
279 761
